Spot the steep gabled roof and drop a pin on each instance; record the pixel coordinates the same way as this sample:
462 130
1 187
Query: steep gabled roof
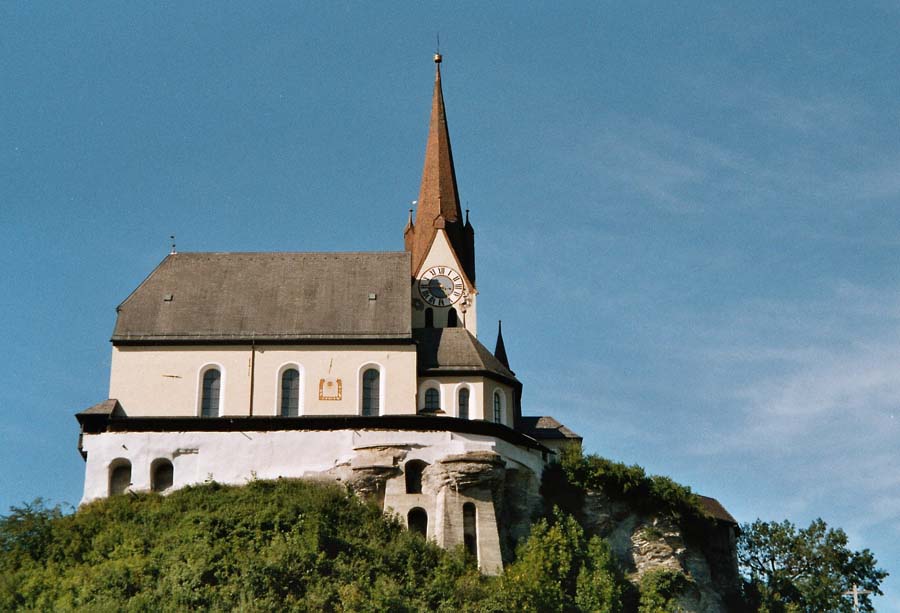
544 428
455 350
220 297
714 508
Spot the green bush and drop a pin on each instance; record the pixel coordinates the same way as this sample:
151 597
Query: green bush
558 570
660 589
268 546
567 484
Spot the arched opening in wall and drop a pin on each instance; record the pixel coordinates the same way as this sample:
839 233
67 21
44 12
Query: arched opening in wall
371 401
162 475
470 534
210 395
432 399
119 477
452 318
429 318
463 412
290 393
413 472
417 521
498 408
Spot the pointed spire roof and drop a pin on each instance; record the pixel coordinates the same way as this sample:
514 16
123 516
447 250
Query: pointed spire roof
500 349
438 205
438 195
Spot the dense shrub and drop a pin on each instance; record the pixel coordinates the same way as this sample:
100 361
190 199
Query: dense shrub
660 590
268 546
559 570
288 546
567 483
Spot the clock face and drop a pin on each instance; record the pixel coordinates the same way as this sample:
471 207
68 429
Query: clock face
441 286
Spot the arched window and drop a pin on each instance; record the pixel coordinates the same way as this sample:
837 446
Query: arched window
432 399
470 534
212 384
463 412
162 475
413 472
498 407
290 393
429 318
371 382
119 477
417 520
452 318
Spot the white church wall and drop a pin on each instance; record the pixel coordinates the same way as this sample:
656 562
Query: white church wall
166 381
506 402
449 389
236 457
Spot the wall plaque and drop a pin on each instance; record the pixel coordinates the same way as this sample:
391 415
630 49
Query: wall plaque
330 389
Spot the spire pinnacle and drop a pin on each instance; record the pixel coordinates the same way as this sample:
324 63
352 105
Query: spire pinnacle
500 349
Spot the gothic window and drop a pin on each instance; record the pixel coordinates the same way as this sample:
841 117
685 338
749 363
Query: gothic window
417 520
463 412
498 408
212 384
119 477
162 475
290 393
413 472
470 535
429 318
432 399
452 318
371 382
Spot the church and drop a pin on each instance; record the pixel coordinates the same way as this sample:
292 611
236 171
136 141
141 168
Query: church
359 368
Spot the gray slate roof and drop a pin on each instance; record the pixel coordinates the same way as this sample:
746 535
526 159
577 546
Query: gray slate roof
453 350
197 297
715 508
545 427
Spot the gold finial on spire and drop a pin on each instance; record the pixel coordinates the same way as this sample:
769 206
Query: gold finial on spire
437 58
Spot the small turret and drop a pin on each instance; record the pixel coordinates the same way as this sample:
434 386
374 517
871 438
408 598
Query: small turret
500 349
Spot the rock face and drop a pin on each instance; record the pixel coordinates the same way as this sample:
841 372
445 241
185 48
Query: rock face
644 543
508 500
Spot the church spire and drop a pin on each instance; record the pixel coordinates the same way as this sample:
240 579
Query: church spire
437 195
500 349
438 205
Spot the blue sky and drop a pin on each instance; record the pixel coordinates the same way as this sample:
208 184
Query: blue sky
687 217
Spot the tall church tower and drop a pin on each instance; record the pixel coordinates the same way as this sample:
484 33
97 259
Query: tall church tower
441 241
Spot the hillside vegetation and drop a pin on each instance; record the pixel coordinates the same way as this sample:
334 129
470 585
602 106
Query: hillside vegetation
288 546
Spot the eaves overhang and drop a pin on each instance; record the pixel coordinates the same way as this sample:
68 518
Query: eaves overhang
98 424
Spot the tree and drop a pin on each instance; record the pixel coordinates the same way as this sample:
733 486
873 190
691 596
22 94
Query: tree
805 570
559 570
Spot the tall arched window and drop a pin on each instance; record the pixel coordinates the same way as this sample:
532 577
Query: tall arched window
429 318
452 318
212 383
119 477
371 383
162 475
432 399
417 520
498 408
413 472
463 412
290 393
470 530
